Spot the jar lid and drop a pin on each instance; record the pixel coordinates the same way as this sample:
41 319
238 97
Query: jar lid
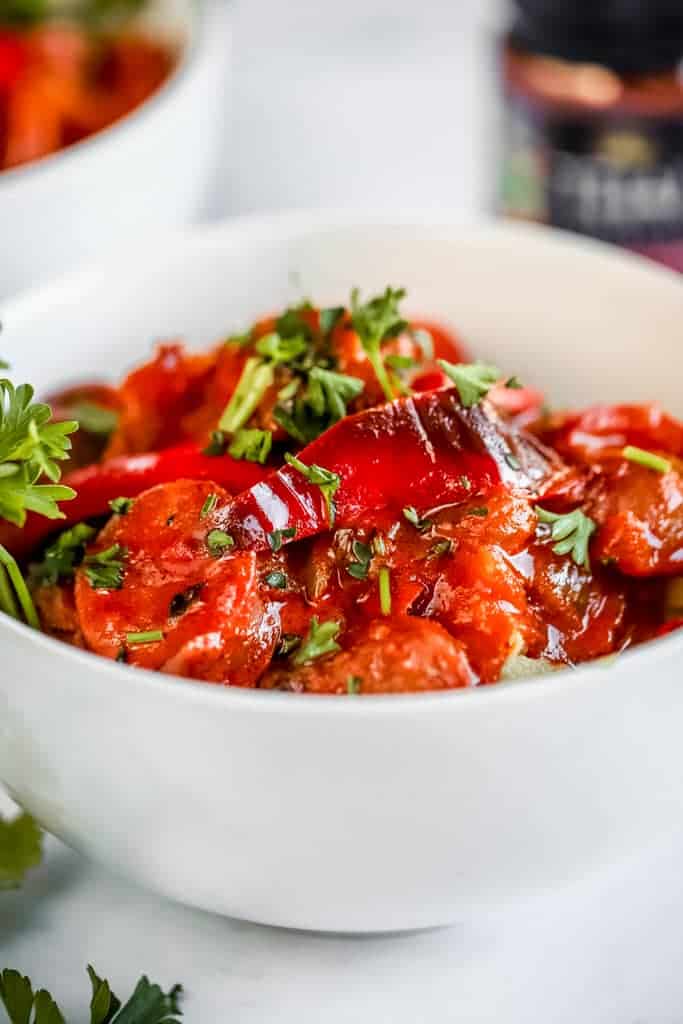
629 36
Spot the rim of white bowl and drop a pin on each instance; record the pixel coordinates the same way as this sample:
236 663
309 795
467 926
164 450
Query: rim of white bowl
200 17
269 226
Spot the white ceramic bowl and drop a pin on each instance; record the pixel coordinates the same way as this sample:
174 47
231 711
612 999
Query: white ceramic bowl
148 172
370 813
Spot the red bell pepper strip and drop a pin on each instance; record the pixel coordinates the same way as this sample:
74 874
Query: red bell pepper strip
425 450
12 59
127 476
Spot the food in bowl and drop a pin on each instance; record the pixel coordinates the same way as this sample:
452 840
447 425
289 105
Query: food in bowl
337 501
67 71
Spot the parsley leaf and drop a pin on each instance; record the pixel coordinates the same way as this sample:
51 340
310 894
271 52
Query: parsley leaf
327 481
375 321
473 380
323 403
257 376
30 447
63 556
320 640
104 569
329 318
363 555
411 514
149 1004
94 418
20 849
219 541
252 445
276 537
572 531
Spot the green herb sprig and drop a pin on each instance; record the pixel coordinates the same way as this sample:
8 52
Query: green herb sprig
572 532
327 481
376 321
472 380
320 641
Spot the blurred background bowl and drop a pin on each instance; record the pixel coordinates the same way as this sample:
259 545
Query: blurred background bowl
150 171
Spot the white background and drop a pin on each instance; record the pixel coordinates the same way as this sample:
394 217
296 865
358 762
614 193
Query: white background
379 104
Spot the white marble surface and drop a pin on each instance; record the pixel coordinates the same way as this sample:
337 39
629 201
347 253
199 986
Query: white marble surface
375 104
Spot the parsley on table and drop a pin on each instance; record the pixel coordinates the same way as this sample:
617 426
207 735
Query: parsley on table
472 380
376 321
320 640
572 532
149 1004
327 481
21 847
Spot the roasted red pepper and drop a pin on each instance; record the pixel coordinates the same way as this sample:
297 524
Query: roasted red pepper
127 476
12 59
425 451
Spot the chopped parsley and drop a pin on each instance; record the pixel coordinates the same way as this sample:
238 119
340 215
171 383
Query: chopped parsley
647 459
411 514
353 685
320 641
63 556
152 636
512 461
257 376
327 481
572 532
323 402
472 380
376 321
363 555
209 505
277 580
276 537
329 318
480 510
288 643
465 483
217 445
121 506
252 445
384 580
440 547
219 541
104 569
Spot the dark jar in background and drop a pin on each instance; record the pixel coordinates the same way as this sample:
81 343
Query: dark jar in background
594 120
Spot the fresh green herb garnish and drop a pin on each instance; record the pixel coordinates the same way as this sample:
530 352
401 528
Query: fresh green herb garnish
329 318
252 445
363 555
292 323
257 376
512 461
21 848
323 403
647 459
209 505
148 1004
219 541
15 599
353 685
374 322
465 483
94 418
104 569
30 447
277 580
121 506
441 547
397 362
384 579
151 636
217 444
572 532
472 380
513 382
480 510
63 556
276 537
320 640
411 514
288 643
327 481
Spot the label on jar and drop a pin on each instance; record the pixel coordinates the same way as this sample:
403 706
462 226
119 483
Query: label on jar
612 176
